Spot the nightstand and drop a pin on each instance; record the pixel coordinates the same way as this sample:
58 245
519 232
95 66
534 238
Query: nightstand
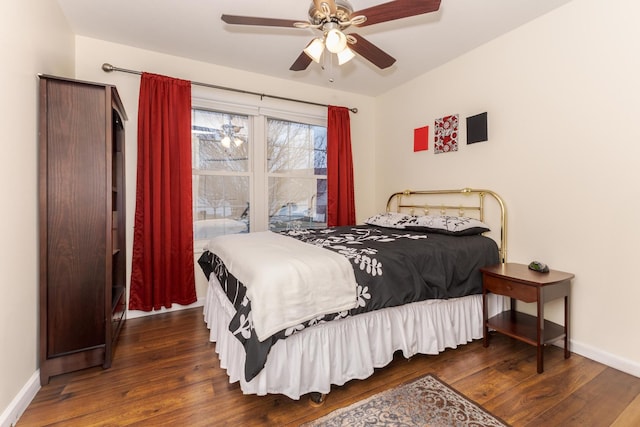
517 282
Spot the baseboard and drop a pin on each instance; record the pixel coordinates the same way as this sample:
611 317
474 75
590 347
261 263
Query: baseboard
22 400
133 314
625 365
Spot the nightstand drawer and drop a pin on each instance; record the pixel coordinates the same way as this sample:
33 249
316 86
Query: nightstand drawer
510 288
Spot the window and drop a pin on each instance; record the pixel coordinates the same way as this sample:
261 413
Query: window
221 174
297 174
254 172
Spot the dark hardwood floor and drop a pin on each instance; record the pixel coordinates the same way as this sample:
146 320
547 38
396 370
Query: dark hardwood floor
165 372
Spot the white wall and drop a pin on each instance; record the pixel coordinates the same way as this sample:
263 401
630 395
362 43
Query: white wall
34 38
563 97
92 53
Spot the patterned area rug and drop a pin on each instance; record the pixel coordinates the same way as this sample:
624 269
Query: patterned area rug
426 401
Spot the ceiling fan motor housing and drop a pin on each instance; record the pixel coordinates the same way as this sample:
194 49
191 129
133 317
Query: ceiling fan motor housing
343 13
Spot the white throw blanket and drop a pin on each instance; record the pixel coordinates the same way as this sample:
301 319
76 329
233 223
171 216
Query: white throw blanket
288 281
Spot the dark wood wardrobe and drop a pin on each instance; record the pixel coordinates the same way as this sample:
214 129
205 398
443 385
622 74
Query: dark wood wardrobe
82 224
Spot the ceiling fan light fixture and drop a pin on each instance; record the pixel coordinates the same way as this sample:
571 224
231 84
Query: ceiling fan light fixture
345 56
314 49
226 142
335 40
237 141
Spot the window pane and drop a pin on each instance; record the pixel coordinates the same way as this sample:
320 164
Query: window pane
297 203
220 141
296 148
221 206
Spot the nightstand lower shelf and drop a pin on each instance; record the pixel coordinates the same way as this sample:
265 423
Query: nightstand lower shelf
524 327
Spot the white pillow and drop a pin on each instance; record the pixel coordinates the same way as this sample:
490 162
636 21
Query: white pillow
389 220
444 224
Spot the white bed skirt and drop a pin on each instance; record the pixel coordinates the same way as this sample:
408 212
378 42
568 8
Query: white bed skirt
346 349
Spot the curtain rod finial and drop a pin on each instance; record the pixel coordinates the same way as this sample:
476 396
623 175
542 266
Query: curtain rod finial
107 68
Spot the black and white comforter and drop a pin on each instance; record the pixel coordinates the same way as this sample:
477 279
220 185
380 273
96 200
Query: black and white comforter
392 267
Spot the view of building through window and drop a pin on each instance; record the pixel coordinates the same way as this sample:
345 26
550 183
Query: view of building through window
226 185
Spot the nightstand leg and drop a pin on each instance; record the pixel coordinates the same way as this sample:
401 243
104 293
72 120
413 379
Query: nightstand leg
485 329
540 349
540 359
567 353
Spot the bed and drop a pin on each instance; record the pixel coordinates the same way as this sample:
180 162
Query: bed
417 290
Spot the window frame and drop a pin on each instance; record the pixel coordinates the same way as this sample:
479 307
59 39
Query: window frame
257 153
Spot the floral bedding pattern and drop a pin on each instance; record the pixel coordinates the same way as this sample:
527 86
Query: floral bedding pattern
443 224
392 267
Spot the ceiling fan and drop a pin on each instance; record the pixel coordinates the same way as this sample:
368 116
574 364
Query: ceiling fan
332 17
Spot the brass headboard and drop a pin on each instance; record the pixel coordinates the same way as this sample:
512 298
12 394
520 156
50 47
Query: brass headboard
459 203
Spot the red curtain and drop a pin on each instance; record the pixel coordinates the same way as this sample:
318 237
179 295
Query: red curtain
162 270
341 208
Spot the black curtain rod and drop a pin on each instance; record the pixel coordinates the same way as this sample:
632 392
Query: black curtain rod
109 68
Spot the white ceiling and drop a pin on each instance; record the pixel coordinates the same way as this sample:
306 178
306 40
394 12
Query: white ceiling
193 29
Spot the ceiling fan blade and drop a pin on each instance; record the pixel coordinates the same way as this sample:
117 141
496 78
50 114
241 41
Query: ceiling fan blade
330 3
301 63
371 52
250 20
396 10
